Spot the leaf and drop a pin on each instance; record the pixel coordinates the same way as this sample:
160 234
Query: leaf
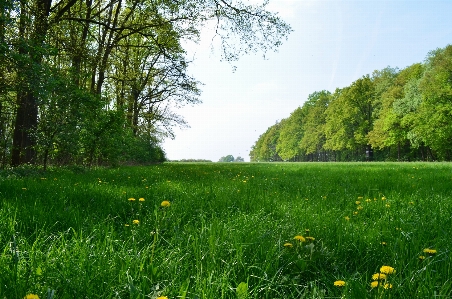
242 290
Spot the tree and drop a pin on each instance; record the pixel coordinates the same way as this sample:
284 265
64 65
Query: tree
228 158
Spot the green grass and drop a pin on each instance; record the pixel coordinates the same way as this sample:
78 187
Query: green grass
63 232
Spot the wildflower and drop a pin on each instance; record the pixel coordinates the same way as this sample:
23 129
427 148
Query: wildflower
357 202
165 204
300 238
355 213
374 284
422 257
131 199
126 224
387 286
360 197
310 238
141 199
339 283
384 243
31 296
359 208
162 297
383 198
368 200
387 269
347 218
378 276
288 245
388 205
430 251
307 230
136 222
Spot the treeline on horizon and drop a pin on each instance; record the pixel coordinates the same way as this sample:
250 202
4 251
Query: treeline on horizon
391 115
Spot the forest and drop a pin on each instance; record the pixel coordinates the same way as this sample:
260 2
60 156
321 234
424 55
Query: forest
390 115
99 82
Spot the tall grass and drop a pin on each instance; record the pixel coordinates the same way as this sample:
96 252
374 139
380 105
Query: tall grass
72 234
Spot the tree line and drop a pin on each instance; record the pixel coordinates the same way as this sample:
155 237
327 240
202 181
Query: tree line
99 82
390 115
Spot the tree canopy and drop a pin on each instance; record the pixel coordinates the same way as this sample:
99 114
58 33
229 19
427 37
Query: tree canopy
392 114
100 81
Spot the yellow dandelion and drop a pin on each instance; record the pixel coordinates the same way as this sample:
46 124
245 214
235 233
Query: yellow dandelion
430 251
387 286
126 224
136 222
31 296
387 205
383 198
387 269
355 213
141 199
347 218
307 230
360 197
339 283
310 238
359 208
374 284
162 297
384 243
300 238
368 200
131 199
378 276
357 202
165 204
422 257
288 245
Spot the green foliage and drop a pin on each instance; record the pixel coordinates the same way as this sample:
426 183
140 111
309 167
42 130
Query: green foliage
391 115
226 231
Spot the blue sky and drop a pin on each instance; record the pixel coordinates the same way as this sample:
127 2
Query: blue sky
334 43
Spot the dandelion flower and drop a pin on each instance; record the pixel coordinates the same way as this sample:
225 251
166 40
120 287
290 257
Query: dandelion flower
388 205
360 197
347 218
165 204
378 276
307 230
357 202
387 286
374 284
136 222
131 199
162 297
141 199
384 243
355 213
31 296
430 251
387 269
126 224
310 238
339 283
359 208
300 238
368 200
383 198
288 245
422 257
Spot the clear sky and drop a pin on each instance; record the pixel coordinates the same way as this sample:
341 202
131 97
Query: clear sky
334 43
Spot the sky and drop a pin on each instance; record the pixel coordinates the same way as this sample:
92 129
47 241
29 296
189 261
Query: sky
333 43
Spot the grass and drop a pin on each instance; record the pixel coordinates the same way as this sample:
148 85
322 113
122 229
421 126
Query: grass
71 233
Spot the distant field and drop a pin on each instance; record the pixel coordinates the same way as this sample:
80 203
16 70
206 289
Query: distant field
228 230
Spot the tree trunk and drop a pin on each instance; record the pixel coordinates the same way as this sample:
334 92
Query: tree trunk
27 112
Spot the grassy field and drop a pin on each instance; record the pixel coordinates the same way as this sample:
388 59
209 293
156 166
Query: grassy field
240 230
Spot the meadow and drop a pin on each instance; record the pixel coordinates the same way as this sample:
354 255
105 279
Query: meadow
228 230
